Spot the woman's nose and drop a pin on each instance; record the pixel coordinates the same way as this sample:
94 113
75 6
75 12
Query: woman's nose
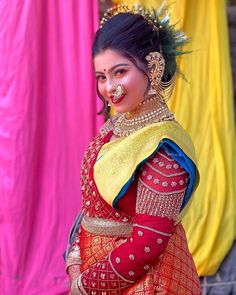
110 87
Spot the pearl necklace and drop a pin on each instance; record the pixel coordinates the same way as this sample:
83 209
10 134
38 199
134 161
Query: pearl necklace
147 113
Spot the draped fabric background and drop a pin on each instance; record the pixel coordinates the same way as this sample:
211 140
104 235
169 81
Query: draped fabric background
204 106
48 115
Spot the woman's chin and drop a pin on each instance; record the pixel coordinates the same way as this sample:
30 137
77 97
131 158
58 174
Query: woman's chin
124 105
121 109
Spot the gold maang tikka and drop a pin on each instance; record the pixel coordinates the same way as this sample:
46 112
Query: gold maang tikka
156 66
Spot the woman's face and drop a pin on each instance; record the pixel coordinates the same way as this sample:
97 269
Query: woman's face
111 69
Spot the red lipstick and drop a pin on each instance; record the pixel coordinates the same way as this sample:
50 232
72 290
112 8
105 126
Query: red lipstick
116 100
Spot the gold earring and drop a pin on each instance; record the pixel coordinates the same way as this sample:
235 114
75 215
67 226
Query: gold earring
156 66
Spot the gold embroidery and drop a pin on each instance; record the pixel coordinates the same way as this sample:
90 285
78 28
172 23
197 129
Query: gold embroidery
156 204
119 162
118 274
74 257
93 204
175 261
155 191
151 229
164 174
106 227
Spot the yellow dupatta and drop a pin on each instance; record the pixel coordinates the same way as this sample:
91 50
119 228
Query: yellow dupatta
118 159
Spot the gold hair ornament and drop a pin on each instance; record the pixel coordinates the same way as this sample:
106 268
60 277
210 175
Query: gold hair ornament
171 39
156 66
146 13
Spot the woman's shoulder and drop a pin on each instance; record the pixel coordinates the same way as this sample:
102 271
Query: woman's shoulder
109 125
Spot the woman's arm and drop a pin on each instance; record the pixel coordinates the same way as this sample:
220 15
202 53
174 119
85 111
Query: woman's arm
73 257
74 260
161 188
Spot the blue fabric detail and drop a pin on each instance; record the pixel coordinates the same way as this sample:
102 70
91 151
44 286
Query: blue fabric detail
179 156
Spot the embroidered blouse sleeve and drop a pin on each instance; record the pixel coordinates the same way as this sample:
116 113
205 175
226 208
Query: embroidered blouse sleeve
161 188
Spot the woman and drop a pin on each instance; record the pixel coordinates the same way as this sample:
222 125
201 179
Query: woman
139 173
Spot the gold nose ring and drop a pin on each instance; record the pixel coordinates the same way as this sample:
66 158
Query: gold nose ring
118 91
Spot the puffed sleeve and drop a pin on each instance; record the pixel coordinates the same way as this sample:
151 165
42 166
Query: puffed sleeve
161 188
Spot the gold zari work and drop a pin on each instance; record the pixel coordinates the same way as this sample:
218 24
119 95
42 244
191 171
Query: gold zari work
173 274
106 227
127 153
155 204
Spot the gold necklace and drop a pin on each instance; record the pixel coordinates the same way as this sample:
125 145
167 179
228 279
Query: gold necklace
147 113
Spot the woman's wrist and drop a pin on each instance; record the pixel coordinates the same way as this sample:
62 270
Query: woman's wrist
74 287
73 272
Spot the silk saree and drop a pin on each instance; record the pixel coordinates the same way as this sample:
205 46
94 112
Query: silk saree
136 191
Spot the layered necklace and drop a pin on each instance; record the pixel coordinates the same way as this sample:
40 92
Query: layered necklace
148 112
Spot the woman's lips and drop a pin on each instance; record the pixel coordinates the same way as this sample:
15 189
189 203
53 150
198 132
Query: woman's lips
118 99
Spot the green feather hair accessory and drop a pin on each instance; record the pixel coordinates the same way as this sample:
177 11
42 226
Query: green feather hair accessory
171 39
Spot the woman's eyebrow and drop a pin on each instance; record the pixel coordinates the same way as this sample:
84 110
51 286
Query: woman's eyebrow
112 68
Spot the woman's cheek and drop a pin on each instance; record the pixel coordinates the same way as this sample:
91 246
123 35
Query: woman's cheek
125 81
130 83
102 91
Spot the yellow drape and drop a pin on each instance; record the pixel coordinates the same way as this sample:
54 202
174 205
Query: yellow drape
125 154
204 107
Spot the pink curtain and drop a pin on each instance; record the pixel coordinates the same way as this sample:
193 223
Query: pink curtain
48 115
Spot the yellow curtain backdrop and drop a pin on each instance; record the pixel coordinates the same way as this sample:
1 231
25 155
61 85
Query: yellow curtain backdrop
204 106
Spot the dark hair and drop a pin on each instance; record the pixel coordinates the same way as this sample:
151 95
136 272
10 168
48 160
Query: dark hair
133 37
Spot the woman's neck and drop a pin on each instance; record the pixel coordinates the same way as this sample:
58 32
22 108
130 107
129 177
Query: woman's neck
150 104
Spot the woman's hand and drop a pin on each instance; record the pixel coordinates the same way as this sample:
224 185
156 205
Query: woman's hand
73 272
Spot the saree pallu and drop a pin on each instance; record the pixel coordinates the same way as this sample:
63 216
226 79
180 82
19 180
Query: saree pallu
174 273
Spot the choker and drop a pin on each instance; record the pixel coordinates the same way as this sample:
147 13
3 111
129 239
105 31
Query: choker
147 113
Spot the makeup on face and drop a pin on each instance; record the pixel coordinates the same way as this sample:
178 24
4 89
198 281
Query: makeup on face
118 94
117 91
119 70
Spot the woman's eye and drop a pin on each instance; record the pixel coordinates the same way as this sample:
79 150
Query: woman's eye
120 72
100 78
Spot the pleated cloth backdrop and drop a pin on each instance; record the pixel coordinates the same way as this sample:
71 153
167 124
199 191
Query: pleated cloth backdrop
204 106
48 115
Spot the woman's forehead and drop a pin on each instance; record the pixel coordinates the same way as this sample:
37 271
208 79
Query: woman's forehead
108 58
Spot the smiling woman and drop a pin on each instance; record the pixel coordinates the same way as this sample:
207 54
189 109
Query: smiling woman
138 175
120 71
